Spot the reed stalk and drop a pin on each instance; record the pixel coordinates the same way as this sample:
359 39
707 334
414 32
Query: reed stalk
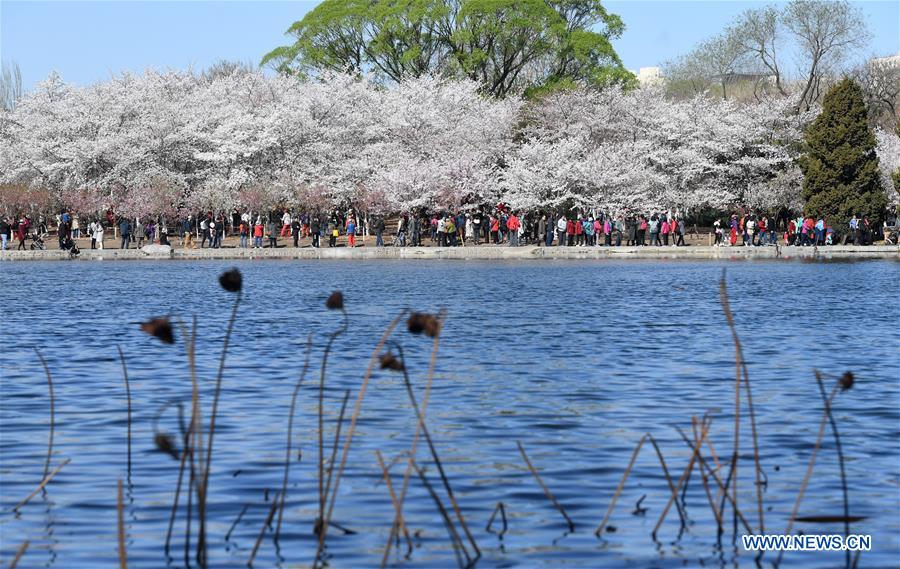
421 415
637 449
684 489
120 516
502 510
638 510
718 468
741 362
713 453
437 459
262 530
236 521
19 553
718 481
386 475
189 518
840 453
826 418
720 499
684 476
52 411
196 457
337 439
469 559
351 430
128 396
290 433
181 469
451 529
735 453
194 447
723 495
812 462
41 486
544 487
204 481
705 478
331 338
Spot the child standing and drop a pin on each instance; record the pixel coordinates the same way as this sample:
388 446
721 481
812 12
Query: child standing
351 231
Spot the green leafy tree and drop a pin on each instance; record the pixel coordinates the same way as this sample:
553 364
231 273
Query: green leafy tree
506 45
496 40
329 37
840 167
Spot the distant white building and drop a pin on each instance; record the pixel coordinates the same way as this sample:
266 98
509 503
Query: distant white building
884 74
736 77
889 62
650 76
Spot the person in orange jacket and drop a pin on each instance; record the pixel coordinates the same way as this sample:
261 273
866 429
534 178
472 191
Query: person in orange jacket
495 229
513 224
258 234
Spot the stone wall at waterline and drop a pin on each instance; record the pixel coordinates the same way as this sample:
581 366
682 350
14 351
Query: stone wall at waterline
468 253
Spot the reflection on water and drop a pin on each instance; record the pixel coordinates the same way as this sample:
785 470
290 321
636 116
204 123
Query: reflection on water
577 360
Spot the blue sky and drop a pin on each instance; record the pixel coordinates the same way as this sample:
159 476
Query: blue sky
87 41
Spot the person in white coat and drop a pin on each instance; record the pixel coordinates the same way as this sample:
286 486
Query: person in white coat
98 235
286 223
90 233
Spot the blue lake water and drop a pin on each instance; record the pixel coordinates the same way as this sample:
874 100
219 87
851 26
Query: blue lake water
577 360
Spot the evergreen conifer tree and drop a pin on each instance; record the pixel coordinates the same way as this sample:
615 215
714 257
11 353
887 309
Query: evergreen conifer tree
840 167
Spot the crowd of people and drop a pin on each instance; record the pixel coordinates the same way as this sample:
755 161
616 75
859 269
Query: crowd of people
801 231
499 225
503 226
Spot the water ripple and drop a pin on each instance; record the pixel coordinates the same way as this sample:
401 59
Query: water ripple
577 360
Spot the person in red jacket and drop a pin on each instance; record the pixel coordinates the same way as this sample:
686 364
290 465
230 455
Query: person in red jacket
495 229
258 233
22 231
570 232
513 224
579 232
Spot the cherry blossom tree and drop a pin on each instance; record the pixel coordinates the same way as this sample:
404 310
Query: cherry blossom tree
888 150
165 142
439 142
624 150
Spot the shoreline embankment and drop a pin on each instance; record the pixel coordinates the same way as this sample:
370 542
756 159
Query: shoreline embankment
163 253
